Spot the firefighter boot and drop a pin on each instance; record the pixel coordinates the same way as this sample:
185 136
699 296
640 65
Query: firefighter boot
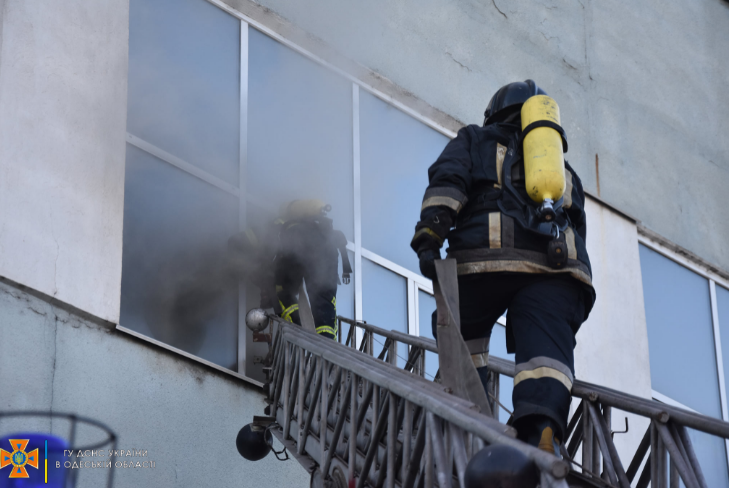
540 431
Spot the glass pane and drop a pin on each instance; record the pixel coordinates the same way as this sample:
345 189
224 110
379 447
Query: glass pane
184 71
680 333
711 453
396 152
497 348
174 282
299 131
384 303
426 307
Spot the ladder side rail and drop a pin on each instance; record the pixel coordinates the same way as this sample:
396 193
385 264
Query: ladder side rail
423 393
602 442
677 459
422 342
584 390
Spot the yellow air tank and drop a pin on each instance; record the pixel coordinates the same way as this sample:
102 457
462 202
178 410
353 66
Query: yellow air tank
543 152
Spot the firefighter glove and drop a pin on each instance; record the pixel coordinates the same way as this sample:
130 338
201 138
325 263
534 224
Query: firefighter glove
427 262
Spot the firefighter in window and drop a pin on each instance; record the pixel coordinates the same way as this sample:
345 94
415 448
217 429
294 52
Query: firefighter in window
300 245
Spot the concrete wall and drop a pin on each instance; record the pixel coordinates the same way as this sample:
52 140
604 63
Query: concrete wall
641 84
63 89
185 415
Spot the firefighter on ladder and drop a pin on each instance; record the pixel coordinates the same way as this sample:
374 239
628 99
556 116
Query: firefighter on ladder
301 245
518 237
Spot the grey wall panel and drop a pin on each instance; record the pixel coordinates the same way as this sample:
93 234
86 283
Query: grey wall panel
185 415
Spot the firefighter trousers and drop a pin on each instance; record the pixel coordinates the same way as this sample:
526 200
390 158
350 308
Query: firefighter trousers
544 313
323 302
290 273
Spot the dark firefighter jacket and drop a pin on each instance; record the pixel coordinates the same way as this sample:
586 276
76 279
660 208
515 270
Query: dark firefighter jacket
311 246
465 191
299 247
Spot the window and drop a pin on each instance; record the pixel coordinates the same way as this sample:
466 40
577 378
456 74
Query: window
299 131
396 153
497 347
181 192
385 304
175 229
426 307
184 68
685 355
225 123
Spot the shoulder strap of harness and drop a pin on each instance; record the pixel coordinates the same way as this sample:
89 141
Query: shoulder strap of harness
514 205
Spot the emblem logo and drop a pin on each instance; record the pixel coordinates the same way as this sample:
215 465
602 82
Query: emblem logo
18 458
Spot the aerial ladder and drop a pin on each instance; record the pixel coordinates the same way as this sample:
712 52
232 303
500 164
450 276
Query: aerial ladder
354 420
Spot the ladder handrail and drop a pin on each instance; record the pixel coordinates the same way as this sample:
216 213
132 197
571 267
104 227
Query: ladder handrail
411 340
581 389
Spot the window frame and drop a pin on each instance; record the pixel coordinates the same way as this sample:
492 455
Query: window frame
414 281
713 279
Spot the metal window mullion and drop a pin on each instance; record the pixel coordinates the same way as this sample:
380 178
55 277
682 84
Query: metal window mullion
181 164
416 310
242 209
412 303
357 192
719 360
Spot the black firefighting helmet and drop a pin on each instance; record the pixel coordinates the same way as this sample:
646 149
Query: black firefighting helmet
509 98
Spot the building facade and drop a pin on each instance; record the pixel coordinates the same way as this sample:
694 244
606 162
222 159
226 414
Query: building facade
137 137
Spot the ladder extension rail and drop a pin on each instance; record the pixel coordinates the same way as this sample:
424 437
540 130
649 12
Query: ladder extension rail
666 435
581 389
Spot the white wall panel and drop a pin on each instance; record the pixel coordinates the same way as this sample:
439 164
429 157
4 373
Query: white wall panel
63 90
612 346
